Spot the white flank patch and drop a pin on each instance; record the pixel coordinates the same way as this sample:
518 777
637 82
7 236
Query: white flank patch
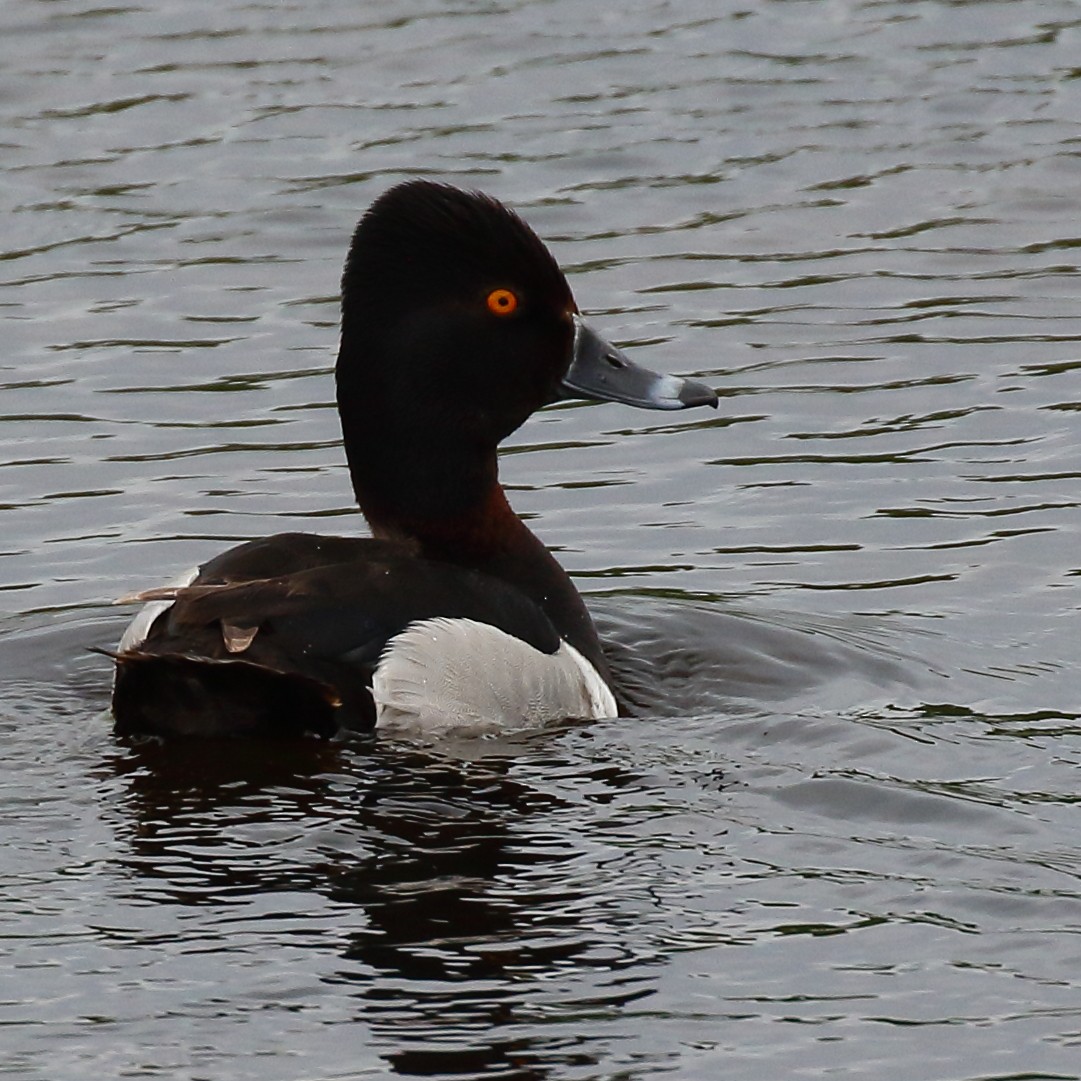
456 673
137 630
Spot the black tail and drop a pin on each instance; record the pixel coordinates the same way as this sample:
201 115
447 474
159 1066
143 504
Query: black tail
176 694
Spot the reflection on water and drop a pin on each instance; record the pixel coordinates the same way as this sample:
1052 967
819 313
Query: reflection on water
838 837
464 913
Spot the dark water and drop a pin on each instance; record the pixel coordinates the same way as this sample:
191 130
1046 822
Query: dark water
843 838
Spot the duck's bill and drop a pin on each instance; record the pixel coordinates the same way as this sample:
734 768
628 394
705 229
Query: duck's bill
601 372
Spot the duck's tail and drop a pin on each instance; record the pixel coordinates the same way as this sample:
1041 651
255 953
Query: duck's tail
180 694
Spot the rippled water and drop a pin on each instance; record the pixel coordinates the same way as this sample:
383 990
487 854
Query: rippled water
842 837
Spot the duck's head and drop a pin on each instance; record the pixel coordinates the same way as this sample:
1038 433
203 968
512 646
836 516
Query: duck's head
457 324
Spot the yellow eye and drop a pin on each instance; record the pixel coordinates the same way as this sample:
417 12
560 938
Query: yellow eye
502 302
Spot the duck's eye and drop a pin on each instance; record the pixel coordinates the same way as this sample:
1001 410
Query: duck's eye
502 302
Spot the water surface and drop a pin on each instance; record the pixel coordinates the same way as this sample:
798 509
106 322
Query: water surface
841 837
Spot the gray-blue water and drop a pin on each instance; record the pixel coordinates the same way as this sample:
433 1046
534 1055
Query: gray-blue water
843 839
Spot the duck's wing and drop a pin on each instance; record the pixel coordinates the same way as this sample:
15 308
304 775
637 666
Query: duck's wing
283 634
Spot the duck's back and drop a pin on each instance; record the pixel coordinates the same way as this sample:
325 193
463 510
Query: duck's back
282 635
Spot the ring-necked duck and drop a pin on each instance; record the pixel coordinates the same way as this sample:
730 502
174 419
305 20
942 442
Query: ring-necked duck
457 324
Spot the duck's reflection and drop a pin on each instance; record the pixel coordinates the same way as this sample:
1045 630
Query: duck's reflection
474 932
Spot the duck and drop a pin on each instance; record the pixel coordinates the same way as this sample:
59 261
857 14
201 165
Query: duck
457 324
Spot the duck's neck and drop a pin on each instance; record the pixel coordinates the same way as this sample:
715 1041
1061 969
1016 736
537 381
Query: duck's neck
462 517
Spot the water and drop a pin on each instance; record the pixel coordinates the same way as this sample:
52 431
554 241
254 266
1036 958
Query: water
841 838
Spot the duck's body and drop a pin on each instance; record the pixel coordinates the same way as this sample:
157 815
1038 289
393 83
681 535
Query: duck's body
456 325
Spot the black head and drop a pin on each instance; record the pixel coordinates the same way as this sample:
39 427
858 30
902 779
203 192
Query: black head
457 324
455 317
